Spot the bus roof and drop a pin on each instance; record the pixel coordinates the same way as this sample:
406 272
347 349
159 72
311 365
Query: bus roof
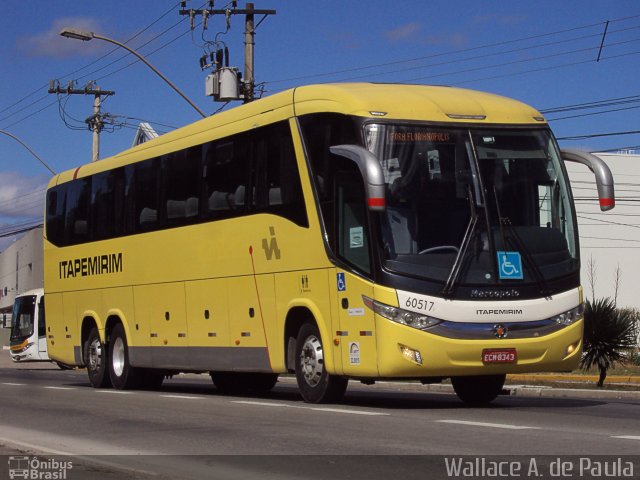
385 101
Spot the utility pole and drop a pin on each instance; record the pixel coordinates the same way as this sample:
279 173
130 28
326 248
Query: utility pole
94 121
249 44
248 83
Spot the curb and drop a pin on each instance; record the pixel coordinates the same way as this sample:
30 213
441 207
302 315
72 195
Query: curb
573 378
550 392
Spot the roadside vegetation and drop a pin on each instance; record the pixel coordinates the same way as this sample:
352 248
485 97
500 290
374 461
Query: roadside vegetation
610 332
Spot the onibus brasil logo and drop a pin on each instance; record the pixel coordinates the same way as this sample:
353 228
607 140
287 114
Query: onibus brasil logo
34 468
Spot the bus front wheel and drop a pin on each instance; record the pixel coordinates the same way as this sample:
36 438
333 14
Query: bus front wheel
314 382
478 390
123 375
95 357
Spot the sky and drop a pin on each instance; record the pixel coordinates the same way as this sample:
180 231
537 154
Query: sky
549 54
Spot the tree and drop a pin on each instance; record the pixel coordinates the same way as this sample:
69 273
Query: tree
608 332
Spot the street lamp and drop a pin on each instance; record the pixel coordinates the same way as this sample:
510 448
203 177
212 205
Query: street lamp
86 36
30 151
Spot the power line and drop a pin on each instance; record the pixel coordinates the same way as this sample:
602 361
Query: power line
464 50
595 135
170 10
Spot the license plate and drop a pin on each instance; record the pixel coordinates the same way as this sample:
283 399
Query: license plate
502 355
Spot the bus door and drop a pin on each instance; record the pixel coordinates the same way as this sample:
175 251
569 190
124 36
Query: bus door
357 326
41 328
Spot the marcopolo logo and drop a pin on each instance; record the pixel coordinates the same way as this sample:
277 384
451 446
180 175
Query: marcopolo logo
34 468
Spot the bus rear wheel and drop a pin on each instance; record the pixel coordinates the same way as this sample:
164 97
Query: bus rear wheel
123 375
95 357
316 385
478 390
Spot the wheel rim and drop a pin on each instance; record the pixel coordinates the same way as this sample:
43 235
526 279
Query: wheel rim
312 360
117 356
95 354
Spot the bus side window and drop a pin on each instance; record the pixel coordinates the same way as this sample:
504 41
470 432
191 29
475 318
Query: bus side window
181 185
106 204
143 192
226 176
42 325
277 188
56 198
352 234
77 211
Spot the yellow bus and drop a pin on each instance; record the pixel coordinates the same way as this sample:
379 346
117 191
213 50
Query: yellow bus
338 231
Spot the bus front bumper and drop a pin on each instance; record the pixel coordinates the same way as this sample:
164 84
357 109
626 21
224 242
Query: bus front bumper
406 352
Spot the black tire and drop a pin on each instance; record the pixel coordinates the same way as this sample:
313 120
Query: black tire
96 359
64 366
244 382
478 390
123 375
316 385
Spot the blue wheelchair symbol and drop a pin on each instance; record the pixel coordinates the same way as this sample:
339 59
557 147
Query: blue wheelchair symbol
509 266
342 284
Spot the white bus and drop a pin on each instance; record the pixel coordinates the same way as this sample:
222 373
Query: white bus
28 340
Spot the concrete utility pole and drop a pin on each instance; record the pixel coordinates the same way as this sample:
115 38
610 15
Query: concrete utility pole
249 37
94 121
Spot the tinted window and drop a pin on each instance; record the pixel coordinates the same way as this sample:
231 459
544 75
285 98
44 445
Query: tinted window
277 187
76 225
107 204
56 197
248 173
321 131
181 175
226 176
142 196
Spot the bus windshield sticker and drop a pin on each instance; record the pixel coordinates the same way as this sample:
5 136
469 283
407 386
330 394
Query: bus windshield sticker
342 285
419 136
354 353
356 237
510 265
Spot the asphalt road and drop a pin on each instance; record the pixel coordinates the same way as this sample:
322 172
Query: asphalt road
187 429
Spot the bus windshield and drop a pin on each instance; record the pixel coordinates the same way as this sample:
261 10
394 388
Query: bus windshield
23 317
460 200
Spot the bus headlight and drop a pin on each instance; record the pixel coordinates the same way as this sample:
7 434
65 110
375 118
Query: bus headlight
403 317
570 316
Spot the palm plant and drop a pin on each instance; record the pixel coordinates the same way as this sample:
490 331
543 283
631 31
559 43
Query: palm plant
608 333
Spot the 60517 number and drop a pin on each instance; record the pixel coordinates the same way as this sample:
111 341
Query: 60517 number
420 304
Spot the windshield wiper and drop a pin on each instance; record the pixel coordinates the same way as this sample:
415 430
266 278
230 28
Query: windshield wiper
529 261
462 253
520 246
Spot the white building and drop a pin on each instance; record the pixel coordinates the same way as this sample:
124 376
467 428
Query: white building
611 240
21 269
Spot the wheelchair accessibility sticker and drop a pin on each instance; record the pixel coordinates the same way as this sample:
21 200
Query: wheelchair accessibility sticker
510 266
342 285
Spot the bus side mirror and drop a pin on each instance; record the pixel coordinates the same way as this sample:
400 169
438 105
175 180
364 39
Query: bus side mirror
371 171
604 177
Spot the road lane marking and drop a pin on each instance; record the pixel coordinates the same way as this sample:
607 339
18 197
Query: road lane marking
121 392
342 410
261 404
60 388
489 425
181 396
15 384
627 437
317 409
